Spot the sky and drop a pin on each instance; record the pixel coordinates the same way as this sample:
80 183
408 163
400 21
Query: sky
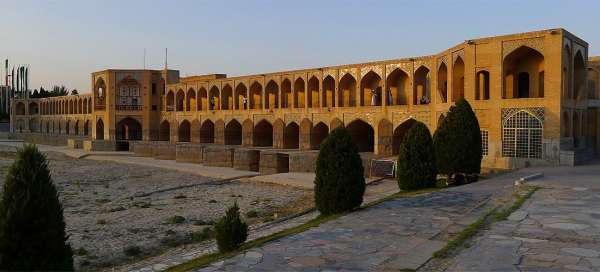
65 41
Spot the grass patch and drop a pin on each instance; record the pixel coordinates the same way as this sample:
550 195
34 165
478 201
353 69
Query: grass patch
474 227
210 258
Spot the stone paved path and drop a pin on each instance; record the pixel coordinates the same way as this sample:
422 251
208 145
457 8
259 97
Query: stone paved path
558 229
397 234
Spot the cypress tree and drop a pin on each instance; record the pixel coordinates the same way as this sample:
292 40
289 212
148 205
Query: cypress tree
32 227
457 142
416 160
339 180
230 231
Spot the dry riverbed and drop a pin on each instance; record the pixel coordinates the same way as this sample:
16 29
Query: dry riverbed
110 223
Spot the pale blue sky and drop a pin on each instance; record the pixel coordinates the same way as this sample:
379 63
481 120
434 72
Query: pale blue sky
64 41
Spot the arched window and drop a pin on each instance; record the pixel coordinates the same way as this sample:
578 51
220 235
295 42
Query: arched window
523 74
482 91
522 136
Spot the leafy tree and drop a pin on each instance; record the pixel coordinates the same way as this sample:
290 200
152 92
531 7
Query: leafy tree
458 142
59 91
35 94
32 227
416 161
230 231
74 92
339 181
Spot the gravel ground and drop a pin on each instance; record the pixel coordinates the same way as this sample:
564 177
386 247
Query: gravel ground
104 217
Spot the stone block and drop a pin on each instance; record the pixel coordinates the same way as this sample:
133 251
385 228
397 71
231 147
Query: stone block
99 145
188 152
141 148
272 162
216 155
75 143
303 161
246 159
164 150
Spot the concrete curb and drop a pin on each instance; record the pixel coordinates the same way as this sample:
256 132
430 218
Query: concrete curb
522 180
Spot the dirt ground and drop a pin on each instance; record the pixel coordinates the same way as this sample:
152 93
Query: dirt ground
116 213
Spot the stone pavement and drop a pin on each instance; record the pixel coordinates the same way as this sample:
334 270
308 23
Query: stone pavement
397 234
557 229
298 179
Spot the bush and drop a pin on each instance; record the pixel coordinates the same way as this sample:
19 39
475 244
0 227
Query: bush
231 232
416 162
457 142
339 181
202 235
177 219
32 227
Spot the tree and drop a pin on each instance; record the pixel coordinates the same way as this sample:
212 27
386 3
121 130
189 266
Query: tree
32 227
35 94
74 92
230 231
339 181
59 91
458 142
416 161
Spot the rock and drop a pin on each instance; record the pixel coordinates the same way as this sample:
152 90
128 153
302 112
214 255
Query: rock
582 252
567 226
517 216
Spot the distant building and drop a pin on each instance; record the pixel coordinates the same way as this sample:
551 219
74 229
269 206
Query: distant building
535 95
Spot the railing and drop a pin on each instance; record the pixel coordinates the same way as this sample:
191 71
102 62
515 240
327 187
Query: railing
129 107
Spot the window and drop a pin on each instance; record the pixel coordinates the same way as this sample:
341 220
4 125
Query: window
484 142
153 88
522 136
154 108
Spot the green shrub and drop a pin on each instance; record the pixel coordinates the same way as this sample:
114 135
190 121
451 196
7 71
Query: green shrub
457 142
339 181
32 227
416 162
202 235
230 231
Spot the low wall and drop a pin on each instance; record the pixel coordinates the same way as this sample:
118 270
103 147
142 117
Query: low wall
216 155
99 145
272 162
188 152
75 143
164 150
141 148
246 159
303 161
42 138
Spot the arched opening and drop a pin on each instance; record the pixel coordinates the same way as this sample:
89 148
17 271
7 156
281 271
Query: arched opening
99 130
313 92
180 98
347 91
48 127
482 91
286 93
128 96
363 135
291 136
458 79
20 108
76 128
190 101
100 94
80 106
255 96
227 98
170 101
33 108
129 129
397 83
400 133
263 134
164 131
522 70
207 132
71 107
370 90
202 99
240 97
319 134
579 77
184 131
68 128
299 93
89 103
213 98
233 133
421 86
271 95
86 128
34 125
442 83
566 73
329 92
85 106
522 136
